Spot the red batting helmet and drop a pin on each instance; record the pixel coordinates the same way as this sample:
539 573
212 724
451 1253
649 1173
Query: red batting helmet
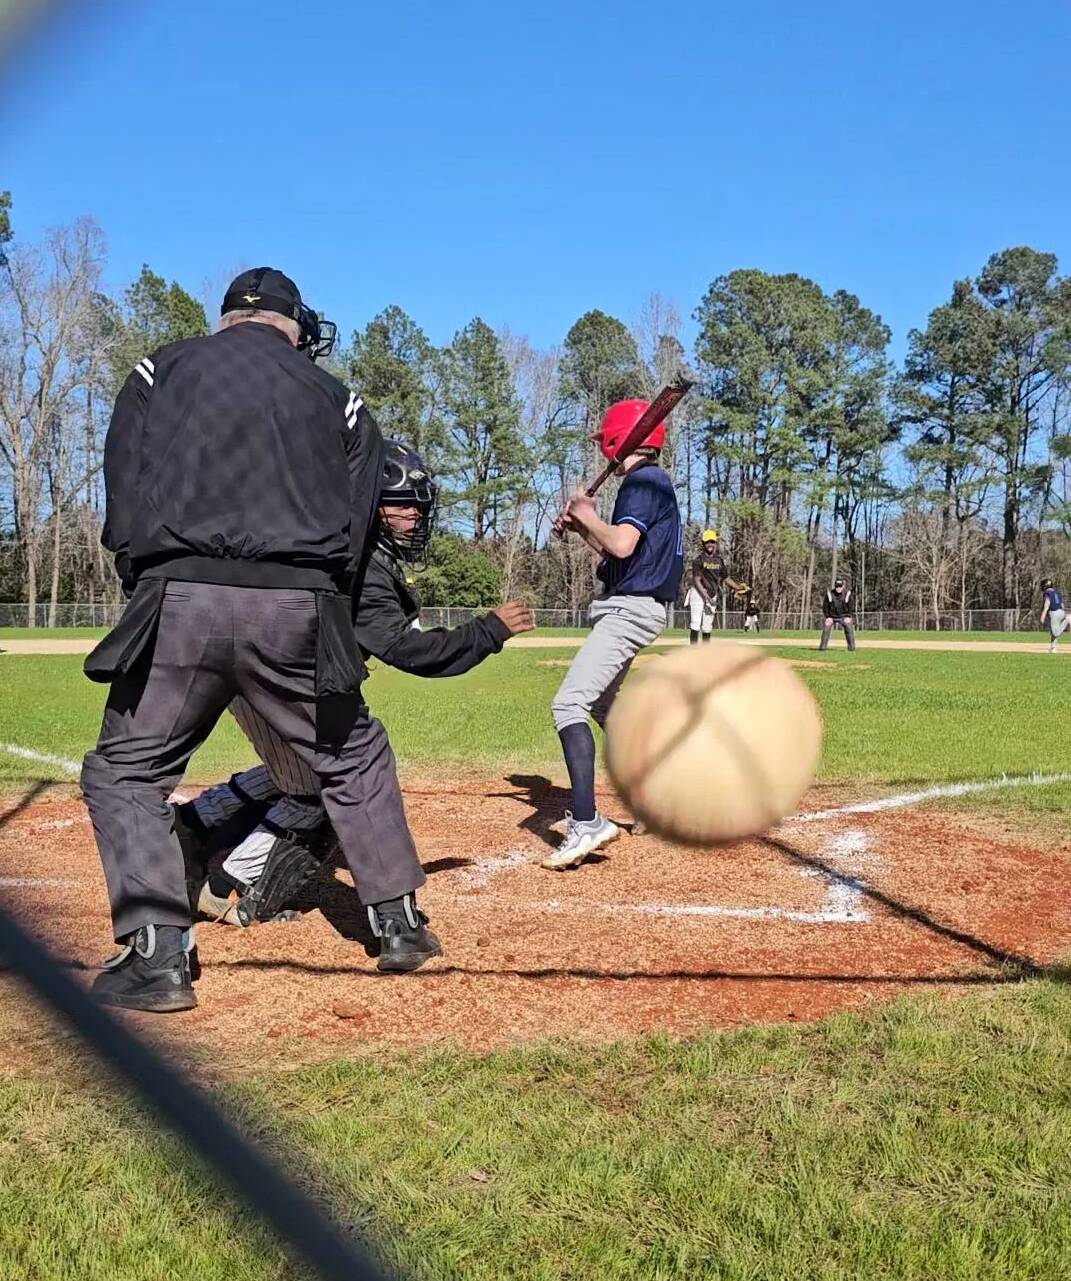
618 421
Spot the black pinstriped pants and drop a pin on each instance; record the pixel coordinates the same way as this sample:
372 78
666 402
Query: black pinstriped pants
214 644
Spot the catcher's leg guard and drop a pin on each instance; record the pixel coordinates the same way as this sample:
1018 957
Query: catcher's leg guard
289 866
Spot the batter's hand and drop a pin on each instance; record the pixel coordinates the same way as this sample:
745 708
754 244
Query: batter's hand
515 615
580 507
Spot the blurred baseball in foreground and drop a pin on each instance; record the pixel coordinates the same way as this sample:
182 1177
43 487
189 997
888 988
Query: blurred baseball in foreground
713 743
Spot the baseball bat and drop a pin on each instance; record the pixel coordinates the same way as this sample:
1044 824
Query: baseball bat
661 407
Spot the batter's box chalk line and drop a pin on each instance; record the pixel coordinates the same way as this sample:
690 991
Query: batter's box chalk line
843 903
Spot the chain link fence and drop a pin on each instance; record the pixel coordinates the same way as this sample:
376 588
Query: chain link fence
106 614
881 620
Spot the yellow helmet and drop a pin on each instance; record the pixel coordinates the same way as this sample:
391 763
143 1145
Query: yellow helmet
709 536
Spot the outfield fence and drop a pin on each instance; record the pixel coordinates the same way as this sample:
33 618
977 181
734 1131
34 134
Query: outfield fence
106 614
881 620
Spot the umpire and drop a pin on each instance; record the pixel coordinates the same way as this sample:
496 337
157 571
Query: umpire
241 485
837 612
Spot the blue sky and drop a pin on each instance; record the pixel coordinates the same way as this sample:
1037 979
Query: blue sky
527 162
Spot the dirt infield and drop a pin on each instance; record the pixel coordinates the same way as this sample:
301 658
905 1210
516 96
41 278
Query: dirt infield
826 915
54 645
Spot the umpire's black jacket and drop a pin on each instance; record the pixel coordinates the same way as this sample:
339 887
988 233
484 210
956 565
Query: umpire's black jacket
388 606
234 459
838 605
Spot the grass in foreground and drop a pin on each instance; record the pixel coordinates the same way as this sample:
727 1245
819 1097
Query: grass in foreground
902 719
930 1140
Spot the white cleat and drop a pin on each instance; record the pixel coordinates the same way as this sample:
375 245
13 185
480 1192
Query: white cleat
580 840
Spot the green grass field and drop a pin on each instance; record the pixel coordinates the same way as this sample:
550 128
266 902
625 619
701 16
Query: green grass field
898 719
928 1140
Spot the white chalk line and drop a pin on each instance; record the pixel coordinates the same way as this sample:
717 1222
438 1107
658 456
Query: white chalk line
905 799
480 872
70 767
843 903
36 882
43 758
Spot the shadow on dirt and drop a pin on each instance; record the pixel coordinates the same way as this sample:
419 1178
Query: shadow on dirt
547 803
1022 964
1009 974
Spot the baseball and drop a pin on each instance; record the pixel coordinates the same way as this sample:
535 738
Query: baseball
713 743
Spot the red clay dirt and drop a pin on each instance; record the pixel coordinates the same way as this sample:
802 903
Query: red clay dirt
649 937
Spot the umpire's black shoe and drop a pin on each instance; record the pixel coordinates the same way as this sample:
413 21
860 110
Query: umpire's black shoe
405 942
154 972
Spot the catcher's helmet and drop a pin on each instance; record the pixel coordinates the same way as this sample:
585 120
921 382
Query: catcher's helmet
618 421
407 482
265 289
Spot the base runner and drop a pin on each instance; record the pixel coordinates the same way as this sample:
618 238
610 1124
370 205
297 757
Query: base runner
641 553
1054 613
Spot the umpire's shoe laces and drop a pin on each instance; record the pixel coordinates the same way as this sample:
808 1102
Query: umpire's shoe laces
154 971
405 942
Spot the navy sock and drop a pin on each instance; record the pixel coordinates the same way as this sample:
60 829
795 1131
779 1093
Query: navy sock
578 744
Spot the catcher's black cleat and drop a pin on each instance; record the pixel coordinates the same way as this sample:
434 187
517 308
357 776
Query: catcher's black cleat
405 942
153 972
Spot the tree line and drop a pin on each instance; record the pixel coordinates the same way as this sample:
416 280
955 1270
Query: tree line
939 485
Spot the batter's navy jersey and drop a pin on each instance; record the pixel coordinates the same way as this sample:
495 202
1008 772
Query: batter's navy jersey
647 501
1056 601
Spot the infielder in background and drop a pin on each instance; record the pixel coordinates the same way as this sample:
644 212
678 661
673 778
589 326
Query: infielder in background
751 615
837 612
1053 612
709 572
642 556
240 588
275 806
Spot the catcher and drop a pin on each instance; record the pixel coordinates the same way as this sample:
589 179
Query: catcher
290 840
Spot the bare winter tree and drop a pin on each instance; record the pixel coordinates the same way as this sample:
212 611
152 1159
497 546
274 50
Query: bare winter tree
50 365
929 559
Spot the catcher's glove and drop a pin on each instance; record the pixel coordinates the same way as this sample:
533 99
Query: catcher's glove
288 868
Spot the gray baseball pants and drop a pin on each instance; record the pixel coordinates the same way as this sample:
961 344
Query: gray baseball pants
212 644
620 627
827 628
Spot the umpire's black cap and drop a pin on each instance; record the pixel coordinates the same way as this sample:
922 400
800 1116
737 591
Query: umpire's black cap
263 289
